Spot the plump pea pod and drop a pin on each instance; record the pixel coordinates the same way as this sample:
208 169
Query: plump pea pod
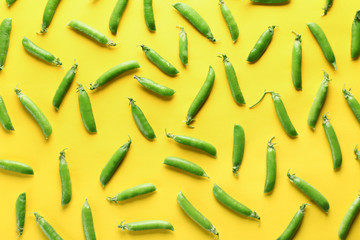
86 110
4 117
333 142
357 153
270 1
47 229
16 167
238 148
355 36
318 101
349 218
324 44
352 102
310 191
155 87
270 167
35 112
232 80
281 113
114 72
328 5
185 165
195 19
195 215
296 63
149 15
233 204
39 52
261 45
87 221
48 14
141 121
146 225
5 30
114 162
91 32
159 61
201 97
116 15
183 47
294 225
20 209
133 192
230 21
193 142
9 2
66 191
64 86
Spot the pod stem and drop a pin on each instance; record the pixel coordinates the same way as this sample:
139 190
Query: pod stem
17 91
325 118
169 135
223 56
188 121
111 199
132 101
262 97
80 87
290 176
303 206
143 47
255 215
111 43
347 93
122 225
297 37
181 28
270 143
62 153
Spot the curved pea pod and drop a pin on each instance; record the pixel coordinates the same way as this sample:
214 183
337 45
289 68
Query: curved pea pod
230 21
318 102
333 142
294 225
35 112
149 15
5 30
310 191
4 117
114 162
10 2
39 52
87 222
20 213
159 61
261 45
355 36
146 225
195 19
270 167
238 148
141 121
328 5
16 167
270 1
233 204
183 47
349 218
296 62
66 190
324 44
155 87
133 192
185 165
46 228
48 14
86 110
352 102
116 15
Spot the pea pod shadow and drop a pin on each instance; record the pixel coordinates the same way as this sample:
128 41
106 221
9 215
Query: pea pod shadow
165 98
15 174
133 199
182 172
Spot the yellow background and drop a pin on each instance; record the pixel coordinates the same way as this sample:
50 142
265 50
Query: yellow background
308 155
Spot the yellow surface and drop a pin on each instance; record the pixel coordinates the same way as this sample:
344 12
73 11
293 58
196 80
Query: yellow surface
308 155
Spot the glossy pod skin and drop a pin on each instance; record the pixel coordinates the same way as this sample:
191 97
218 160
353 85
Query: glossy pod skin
39 52
195 215
90 32
230 21
232 80
16 167
355 36
349 218
47 229
310 191
318 102
238 148
114 72
333 142
294 225
4 117
141 121
86 110
270 167
133 192
116 15
296 63
261 45
20 209
195 19
185 165
9 2
64 86
87 222
48 14
146 225
233 204
114 162
5 30
324 44
35 112
352 102
328 5
155 87
66 191
183 47
201 97
149 15
159 61
270 1
194 142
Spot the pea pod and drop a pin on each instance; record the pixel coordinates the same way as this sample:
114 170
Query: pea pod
185 165
86 112
270 1
149 15
133 192
296 62
10 2
20 213
294 225
46 228
66 191
4 117
116 15
355 36
183 47
261 45
333 142
39 52
328 5
238 148
230 21
16 167
155 87
141 121
270 167
352 102
146 225
349 218
87 221
5 30
48 14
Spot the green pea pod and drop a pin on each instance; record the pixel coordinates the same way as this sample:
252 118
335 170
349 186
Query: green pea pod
183 47
16 167
195 19
48 14
4 117
46 228
146 225
349 218
86 112
149 15
352 102
185 165
328 5
333 142
116 15
5 30
355 36
133 192
87 221
141 121
270 1
20 213
261 45
66 191
296 63
155 87
238 148
10 2
230 21
39 52
270 167
294 225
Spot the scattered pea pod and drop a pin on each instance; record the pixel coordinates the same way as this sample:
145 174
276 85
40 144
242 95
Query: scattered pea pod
355 36
5 30
16 167
195 215
270 167
296 62
141 121
328 5
86 110
149 15
233 204
4 117
352 102
270 1
185 165
357 153
10 2
35 112
47 229
48 14
183 46
230 21
349 218
133 192
146 225
294 225
87 221
333 142
155 87
65 179
39 52
195 19
20 208
238 148
116 15
261 45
